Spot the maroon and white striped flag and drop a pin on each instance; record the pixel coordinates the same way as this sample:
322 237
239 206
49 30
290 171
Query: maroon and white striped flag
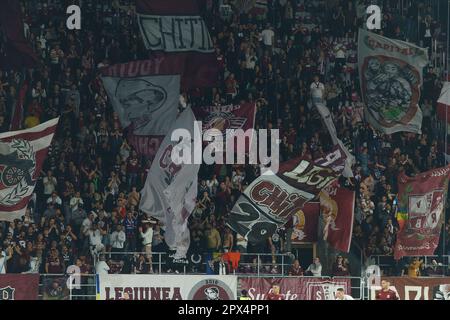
176 28
22 154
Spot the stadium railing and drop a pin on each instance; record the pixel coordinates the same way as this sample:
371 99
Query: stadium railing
259 264
387 263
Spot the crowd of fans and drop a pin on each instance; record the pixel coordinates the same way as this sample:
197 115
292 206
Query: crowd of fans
86 199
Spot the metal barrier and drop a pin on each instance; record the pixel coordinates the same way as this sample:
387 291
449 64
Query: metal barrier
260 264
70 287
386 263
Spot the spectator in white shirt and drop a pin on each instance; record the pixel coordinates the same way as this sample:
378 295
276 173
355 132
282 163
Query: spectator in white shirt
317 90
76 201
49 183
118 239
315 268
4 257
95 239
54 199
147 238
101 267
340 295
268 38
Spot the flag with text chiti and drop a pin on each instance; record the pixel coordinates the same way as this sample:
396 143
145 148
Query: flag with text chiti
22 154
171 189
176 29
390 73
422 198
271 200
145 95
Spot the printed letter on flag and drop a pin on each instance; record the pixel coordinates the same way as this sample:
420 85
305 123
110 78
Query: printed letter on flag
176 29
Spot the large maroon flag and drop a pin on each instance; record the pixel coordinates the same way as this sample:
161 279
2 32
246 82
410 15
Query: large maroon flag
18 52
423 199
18 108
304 223
19 286
229 117
337 206
22 154
176 29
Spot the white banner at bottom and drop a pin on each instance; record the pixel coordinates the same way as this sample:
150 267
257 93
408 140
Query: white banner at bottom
165 287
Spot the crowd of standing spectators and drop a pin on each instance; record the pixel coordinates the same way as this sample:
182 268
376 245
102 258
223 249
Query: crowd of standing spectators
86 199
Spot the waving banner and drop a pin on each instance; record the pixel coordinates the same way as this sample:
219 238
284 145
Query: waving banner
337 206
145 96
22 154
304 223
271 200
170 189
390 73
422 201
176 28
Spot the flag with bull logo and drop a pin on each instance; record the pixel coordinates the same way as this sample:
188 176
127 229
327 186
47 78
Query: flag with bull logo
145 95
176 29
422 200
22 154
337 206
271 200
390 73
171 189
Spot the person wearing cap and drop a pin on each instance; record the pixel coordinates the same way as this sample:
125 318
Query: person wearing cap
146 233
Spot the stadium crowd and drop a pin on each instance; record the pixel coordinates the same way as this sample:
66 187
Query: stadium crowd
86 199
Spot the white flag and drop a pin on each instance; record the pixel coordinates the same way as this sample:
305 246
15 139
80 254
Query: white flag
390 73
170 189
326 116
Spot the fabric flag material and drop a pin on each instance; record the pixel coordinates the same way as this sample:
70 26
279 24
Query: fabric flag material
18 108
171 189
22 154
422 198
229 117
327 119
304 223
271 200
337 206
444 103
390 73
176 29
146 98
18 52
